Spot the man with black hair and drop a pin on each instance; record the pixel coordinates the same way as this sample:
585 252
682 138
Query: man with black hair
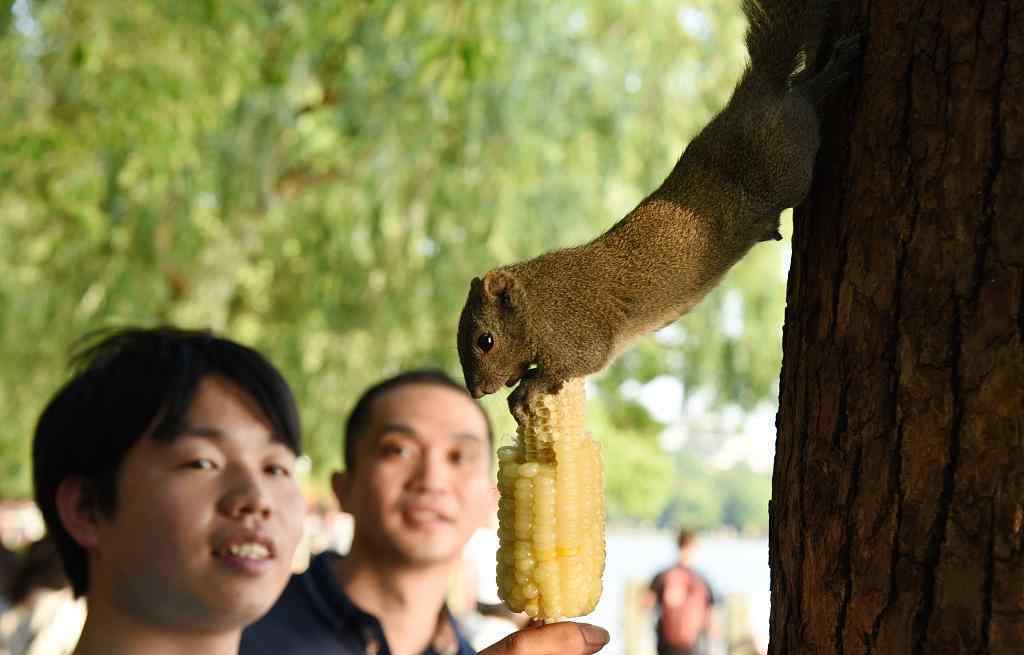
417 482
163 470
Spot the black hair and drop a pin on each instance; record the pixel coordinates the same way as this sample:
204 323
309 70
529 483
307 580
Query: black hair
128 383
685 537
359 418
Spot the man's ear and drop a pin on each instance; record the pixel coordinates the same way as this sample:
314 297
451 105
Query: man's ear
76 507
340 485
502 286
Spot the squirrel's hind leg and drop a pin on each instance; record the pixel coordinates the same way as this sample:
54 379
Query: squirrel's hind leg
836 71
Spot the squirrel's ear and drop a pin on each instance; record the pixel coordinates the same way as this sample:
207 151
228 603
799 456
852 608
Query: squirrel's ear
476 288
501 285
497 283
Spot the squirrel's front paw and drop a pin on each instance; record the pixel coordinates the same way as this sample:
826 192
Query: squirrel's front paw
523 397
519 401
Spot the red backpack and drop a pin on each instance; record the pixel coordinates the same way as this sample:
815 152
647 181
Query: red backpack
684 607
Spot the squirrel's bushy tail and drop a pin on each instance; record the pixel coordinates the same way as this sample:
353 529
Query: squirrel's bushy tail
782 38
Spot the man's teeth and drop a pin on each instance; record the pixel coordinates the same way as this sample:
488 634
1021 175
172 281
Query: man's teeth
249 551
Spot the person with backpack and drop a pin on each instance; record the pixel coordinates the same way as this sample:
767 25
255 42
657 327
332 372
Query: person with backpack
684 600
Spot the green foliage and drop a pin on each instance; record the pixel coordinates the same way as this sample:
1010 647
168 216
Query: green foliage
321 180
746 496
637 475
700 498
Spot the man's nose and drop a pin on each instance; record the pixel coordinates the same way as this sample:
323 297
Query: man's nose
245 496
431 472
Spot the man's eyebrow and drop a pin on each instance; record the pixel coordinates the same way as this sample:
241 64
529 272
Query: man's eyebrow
206 431
408 430
469 436
214 433
401 428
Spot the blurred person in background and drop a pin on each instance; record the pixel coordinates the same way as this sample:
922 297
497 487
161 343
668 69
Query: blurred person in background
684 603
417 482
8 567
164 473
44 617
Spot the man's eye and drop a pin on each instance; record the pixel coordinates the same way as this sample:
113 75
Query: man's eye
461 457
279 470
202 464
389 450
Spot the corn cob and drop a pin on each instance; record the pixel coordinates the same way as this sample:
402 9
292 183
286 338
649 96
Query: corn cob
551 513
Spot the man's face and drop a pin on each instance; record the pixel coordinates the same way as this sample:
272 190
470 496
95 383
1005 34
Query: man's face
688 553
421 480
205 526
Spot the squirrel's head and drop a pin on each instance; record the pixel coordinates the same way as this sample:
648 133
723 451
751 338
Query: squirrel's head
493 342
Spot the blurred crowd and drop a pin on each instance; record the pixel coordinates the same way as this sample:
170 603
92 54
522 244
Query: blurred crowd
40 616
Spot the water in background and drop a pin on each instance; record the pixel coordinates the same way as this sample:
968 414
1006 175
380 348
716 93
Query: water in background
731 565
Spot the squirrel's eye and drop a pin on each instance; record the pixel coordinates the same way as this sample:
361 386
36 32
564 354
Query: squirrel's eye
486 342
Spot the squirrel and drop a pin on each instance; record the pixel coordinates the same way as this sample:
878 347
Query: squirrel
568 312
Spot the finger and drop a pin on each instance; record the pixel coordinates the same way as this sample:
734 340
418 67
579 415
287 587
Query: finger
565 638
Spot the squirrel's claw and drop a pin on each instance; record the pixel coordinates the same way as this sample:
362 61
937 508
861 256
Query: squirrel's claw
523 396
772 235
517 402
837 70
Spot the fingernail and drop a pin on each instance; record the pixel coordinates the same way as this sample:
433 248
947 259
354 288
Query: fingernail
594 636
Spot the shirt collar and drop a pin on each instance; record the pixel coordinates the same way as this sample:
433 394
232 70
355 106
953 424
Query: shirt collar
446 637
346 615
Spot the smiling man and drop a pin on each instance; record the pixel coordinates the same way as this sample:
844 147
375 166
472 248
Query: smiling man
163 469
417 482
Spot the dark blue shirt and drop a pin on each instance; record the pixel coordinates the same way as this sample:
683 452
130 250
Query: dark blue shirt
314 616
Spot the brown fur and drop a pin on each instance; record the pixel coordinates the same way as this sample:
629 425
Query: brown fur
567 313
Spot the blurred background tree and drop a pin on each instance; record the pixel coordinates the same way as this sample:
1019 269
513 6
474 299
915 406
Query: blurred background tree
321 180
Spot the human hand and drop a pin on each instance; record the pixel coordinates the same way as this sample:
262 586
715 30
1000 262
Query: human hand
564 638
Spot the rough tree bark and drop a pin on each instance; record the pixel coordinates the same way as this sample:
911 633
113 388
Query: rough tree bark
897 519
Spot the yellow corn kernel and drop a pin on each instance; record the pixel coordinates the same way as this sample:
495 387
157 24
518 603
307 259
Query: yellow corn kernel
551 513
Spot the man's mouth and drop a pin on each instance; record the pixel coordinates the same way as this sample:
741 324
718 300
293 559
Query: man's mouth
246 547
247 550
425 515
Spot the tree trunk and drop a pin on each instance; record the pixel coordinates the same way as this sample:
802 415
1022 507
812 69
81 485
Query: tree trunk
897 522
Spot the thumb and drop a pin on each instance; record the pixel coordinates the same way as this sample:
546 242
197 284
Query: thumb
566 638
